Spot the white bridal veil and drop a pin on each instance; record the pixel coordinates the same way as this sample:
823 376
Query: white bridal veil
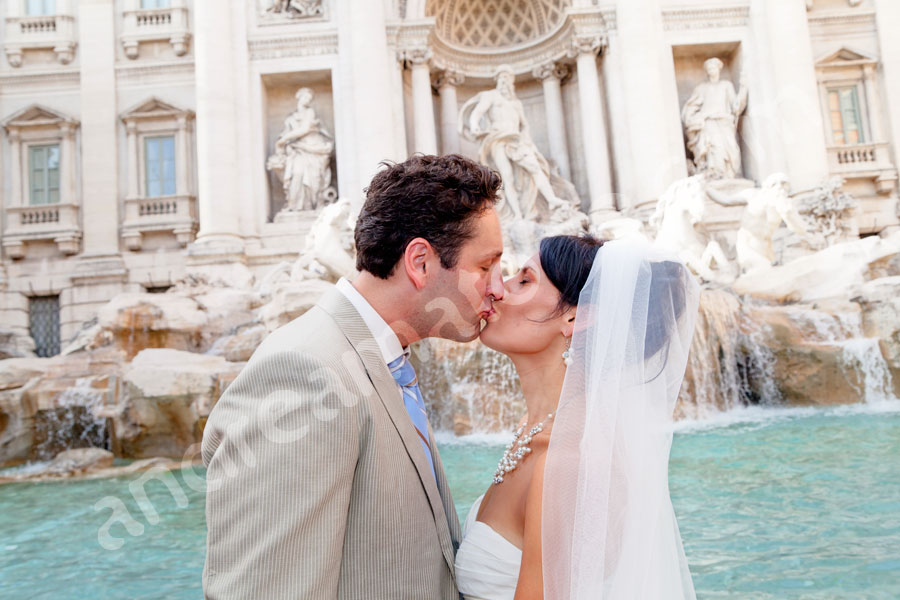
608 527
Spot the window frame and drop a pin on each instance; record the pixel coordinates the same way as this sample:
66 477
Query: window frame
47 188
862 136
145 166
48 8
168 5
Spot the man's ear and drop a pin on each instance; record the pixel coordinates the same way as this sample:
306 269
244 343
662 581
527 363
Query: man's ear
568 322
415 261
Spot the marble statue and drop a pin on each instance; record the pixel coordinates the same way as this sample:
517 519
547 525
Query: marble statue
302 157
766 208
710 119
296 8
496 119
678 221
329 252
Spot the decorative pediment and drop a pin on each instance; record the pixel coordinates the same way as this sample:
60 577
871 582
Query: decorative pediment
846 57
37 116
154 108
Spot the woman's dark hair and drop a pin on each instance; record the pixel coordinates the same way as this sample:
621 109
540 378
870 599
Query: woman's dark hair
432 197
567 261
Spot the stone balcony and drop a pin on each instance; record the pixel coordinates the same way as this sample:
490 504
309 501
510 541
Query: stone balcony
864 161
53 32
156 24
55 222
176 214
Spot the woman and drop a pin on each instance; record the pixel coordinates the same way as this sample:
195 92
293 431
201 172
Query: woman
579 508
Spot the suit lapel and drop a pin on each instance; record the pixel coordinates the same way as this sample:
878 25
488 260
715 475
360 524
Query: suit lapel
358 334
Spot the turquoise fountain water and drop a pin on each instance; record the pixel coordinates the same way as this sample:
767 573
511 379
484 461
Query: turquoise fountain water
772 503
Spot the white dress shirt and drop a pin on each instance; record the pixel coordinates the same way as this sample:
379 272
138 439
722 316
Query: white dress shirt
384 336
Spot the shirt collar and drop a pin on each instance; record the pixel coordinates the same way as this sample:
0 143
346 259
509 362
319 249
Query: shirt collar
384 336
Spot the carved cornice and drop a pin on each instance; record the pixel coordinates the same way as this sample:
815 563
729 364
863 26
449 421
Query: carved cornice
318 43
42 79
135 73
828 24
684 19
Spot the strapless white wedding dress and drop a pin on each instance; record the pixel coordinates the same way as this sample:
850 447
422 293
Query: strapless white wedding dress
487 564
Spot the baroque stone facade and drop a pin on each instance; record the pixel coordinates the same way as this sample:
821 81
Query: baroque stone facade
130 171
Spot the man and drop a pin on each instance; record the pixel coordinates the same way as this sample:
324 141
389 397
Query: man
323 477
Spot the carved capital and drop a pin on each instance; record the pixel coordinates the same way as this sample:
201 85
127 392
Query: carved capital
592 43
131 127
14 134
551 69
415 55
447 78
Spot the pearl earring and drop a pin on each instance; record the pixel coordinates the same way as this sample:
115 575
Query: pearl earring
567 354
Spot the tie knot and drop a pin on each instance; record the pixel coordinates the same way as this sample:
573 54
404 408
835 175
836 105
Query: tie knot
403 371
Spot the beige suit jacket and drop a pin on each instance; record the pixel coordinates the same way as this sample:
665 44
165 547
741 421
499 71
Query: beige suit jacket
317 484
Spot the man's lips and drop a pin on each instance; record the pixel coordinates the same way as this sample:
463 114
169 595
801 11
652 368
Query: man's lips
489 315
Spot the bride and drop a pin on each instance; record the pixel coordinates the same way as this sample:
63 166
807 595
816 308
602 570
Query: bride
579 507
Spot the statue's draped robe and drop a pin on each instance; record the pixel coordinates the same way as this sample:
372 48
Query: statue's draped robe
710 122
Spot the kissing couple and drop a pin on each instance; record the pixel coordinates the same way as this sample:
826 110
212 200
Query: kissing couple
323 477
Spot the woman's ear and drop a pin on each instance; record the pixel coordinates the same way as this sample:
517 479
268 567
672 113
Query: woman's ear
568 321
415 259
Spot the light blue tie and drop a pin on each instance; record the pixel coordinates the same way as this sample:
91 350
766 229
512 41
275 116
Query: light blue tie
405 376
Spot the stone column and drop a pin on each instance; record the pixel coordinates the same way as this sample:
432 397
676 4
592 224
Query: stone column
217 149
182 163
887 15
795 109
365 65
15 160
424 136
593 123
67 164
133 164
99 170
446 84
550 75
647 74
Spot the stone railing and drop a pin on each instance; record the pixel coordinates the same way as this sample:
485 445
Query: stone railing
54 222
175 214
155 24
54 32
864 161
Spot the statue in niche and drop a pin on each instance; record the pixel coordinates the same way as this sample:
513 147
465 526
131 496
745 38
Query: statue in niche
296 8
678 221
496 119
766 208
710 119
302 157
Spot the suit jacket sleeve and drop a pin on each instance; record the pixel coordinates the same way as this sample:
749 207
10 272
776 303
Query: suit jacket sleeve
281 448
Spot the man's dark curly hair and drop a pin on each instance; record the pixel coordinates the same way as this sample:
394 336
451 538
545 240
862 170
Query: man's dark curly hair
432 197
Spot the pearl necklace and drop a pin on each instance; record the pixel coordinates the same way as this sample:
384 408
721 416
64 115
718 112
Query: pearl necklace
511 458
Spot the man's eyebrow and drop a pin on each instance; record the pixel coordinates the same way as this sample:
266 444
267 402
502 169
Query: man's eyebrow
493 255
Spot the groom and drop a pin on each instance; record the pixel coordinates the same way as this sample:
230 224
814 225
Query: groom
323 478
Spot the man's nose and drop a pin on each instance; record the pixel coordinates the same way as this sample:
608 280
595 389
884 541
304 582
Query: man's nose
495 288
